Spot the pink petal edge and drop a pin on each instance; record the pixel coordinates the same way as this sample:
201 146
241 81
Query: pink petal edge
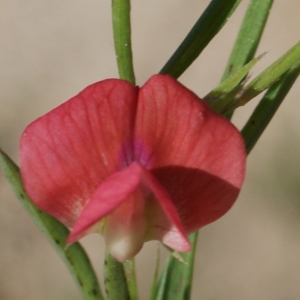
67 153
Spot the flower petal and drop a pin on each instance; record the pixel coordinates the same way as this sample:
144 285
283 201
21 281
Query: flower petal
164 223
120 200
129 208
68 152
200 198
174 128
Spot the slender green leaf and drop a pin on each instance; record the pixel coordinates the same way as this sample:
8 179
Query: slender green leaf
249 35
223 95
122 38
208 25
114 279
176 280
74 257
270 75
267 107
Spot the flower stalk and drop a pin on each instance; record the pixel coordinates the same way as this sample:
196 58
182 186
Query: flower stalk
122 39
123 50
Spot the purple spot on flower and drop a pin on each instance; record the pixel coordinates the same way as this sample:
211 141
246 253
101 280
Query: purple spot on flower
126 155
141 154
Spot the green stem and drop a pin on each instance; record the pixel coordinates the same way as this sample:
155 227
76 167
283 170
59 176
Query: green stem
115 281
120 278
74 256
122 39
176 279
154 286
129 268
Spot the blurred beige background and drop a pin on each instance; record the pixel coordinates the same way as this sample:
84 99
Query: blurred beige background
50 50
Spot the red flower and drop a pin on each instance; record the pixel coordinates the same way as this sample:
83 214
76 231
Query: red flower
133 164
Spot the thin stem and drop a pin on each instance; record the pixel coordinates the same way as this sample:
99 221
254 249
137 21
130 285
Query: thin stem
120 278
154 286
177 277
115 281
129 268
122 39
74 256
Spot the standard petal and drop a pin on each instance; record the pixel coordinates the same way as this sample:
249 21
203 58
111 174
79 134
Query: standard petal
68 152
174 128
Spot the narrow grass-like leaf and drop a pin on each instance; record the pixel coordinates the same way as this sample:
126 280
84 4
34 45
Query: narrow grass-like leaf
114 279
223 95
249 35
270 75
267 107
74 257
207 26
176 280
